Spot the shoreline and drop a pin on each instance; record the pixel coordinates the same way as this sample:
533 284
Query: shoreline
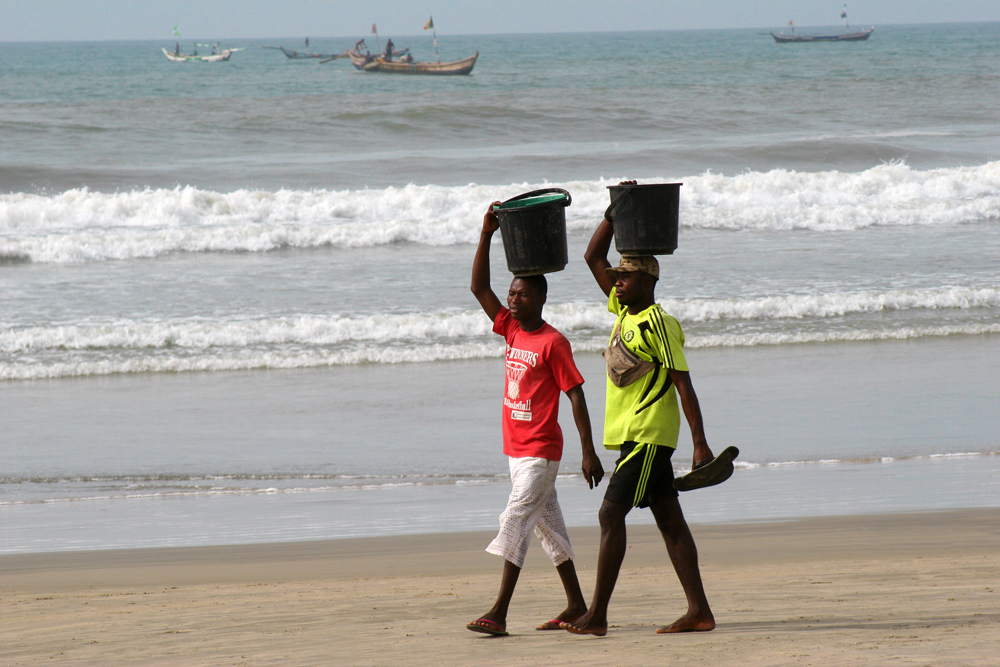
912 588
244 457
350 557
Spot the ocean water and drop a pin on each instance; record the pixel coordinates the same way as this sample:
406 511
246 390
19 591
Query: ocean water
234 298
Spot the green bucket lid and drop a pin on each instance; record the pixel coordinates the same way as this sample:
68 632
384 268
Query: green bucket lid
530 201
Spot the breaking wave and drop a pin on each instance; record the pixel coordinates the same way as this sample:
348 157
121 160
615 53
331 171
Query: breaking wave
311 340
82 225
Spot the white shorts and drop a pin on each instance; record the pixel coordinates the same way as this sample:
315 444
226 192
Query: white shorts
532 507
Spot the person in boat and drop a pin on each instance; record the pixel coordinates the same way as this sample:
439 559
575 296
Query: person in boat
642 421
388 51
539 365
177 49
407 58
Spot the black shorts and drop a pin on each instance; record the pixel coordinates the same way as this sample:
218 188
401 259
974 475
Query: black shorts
642 474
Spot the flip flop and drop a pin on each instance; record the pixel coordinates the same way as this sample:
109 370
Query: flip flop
487 627
550 625
716 471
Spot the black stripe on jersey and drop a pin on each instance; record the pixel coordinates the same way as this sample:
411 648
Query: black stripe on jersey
659 329
656 318
643 329
667 383
652 383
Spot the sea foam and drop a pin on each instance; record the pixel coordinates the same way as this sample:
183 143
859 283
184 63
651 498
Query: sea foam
317 340
446 326
83 225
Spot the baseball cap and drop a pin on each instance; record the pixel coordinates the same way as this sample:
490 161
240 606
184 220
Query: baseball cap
644 263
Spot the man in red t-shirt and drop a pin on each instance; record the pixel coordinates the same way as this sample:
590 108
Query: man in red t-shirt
539 365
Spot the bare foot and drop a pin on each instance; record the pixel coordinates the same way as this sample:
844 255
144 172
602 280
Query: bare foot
586 625
689 623
568 614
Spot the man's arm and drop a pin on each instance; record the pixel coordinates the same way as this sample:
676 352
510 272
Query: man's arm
692 412
597 256
593 470
481 266
597 252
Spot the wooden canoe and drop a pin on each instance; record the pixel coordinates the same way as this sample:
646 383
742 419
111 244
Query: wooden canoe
191 58
376 64
305 55
847 37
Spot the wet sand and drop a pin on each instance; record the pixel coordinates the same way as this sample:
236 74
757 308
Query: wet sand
905 589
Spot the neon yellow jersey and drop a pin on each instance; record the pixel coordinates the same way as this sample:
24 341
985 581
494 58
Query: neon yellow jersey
646 410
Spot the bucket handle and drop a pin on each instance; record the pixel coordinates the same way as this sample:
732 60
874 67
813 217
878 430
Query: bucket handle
614 202
544 191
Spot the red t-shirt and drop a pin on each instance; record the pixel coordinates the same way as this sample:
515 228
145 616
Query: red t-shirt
539 365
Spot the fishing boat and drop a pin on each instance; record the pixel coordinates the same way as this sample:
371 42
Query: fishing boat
843 37
407 65
782 38
305 55
366 57
215 56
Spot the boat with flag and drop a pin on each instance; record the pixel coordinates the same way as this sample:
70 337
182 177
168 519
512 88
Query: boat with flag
370 63
782 38
406 64
860 36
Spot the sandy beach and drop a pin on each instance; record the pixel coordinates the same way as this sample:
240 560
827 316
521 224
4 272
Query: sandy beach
901 589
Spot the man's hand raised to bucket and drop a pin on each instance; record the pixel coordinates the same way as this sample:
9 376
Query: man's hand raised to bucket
481 266
491 222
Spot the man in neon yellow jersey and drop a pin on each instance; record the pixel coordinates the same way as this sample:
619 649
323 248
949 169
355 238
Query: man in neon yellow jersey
646 373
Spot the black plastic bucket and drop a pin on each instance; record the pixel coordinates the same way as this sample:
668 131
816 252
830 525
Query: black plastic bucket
533 227
644 218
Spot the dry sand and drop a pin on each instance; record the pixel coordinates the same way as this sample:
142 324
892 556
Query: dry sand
908 589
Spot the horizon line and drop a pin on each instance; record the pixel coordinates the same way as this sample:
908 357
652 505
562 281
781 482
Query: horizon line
495 34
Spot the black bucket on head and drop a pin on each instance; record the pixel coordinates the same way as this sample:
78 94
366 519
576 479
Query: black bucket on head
533 227
644 218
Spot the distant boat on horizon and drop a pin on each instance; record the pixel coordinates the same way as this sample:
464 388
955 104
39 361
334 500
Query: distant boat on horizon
369 63
845 37
782 38
292 54
194 57
406 64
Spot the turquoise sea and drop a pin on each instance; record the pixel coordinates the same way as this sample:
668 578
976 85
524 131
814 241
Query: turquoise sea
234 299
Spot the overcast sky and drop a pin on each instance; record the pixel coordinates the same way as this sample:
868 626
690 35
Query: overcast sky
60 20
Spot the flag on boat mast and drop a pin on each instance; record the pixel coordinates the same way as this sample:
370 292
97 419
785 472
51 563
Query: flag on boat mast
177 33
378 42
430 26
